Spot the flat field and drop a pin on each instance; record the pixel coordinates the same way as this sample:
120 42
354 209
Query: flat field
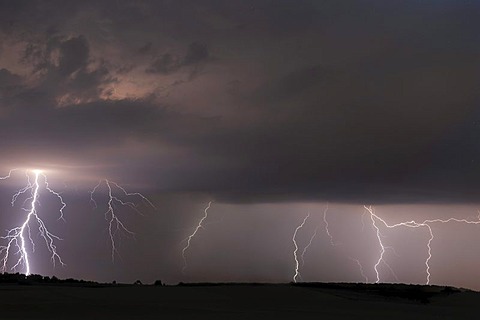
236 301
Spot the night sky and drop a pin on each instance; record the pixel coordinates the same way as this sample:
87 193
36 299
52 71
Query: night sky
270 109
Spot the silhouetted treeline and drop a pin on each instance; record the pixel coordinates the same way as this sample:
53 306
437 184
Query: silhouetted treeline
418 293
38 279
217 284
19 278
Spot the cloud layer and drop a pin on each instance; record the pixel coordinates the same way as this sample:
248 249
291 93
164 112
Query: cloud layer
247 100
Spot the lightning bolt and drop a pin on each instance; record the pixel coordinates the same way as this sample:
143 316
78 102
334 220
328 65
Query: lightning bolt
383 248
379 237
295 251
191 236
302 256
115 224
362 272
412 224
327 229
363 219
16 237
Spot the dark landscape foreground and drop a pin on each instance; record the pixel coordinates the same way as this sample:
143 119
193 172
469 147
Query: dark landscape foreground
88 300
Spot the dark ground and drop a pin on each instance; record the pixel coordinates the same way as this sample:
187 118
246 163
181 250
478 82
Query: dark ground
235 301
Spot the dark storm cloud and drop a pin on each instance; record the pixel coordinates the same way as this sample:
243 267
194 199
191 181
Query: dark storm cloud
352 101
168 63
63 65
164 64
92 126
73 55
197 53
146 48
8 81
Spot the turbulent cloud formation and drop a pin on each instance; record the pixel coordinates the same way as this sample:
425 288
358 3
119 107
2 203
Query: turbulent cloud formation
248 100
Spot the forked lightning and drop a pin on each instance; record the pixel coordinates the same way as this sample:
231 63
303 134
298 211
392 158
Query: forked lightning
410 224
115 224
17 237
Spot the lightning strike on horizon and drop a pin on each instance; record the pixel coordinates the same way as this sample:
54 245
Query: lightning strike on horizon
16 237
362 272
383 248
294 240
191 236
412 224
114 223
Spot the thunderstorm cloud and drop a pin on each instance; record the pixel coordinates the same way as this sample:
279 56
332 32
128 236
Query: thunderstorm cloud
248 100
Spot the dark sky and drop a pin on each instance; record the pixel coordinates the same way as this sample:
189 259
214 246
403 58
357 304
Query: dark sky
247 103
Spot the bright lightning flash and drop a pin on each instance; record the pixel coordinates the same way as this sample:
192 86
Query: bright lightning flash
191 236
16 237
115 224
295 251
410 224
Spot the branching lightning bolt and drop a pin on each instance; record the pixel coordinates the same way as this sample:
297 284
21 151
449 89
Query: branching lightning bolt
191 236
16 237
305 249
383 248
64 205
379 237
115 224
295 251
411 224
